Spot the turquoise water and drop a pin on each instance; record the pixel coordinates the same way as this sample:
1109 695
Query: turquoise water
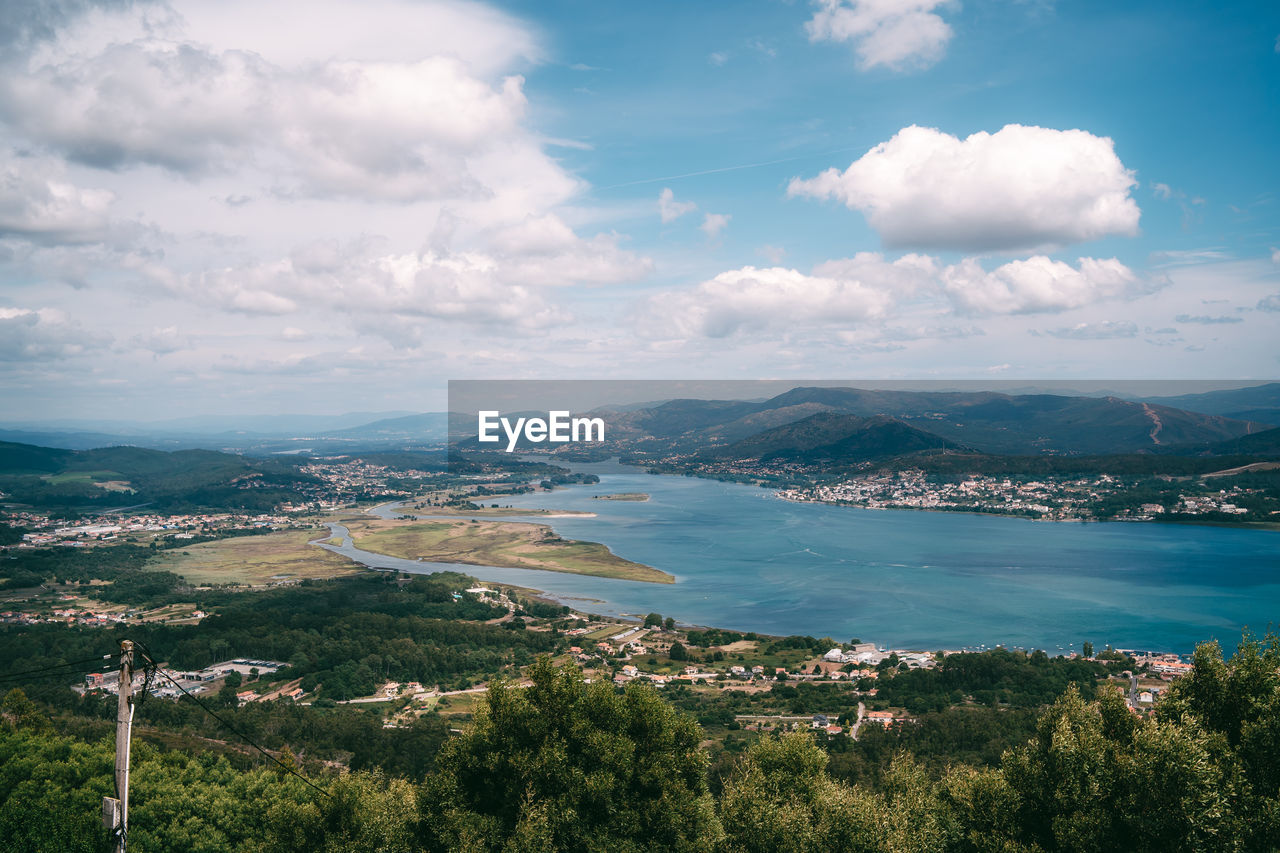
747 560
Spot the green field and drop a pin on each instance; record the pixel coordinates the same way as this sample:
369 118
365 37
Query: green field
502 543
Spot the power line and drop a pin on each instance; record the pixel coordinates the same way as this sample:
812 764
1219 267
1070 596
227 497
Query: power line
47 670
233 729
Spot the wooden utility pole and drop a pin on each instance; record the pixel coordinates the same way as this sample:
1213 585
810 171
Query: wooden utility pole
115 810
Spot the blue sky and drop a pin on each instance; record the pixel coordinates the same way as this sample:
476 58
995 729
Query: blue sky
328 206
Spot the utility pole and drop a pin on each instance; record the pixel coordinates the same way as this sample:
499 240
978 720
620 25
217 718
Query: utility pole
115 810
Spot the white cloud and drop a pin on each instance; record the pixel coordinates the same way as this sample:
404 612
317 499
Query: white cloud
1021 187
904 278
38 204
861 295
1275 255
396 131
505 285
1035 285
43 334
751 299
669 209
1271 302
896 34
714 223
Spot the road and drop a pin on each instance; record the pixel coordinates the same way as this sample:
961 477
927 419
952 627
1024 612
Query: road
862 712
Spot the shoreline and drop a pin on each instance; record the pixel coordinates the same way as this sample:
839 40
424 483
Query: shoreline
1236 525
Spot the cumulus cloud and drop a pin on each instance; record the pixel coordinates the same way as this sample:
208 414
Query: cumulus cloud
396 131
461 287
862 295
840 294
43 334
905 277
895 34
1271 302
1035 285
755 299
714 223
38 204
505 285
1021 187
669 209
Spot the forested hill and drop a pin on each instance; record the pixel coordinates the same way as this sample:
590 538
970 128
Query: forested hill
118 476
828 436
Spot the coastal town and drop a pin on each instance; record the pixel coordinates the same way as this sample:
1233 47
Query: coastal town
1055 500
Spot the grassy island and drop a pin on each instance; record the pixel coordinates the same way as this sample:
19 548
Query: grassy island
623 496
507 544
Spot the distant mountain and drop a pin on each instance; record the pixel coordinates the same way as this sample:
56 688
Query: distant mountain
988 421
115 476
433 427
259 434
66 440
1266 443
28 459
1260 403
835 438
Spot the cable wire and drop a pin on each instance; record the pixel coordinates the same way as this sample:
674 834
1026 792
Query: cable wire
228 725
45 670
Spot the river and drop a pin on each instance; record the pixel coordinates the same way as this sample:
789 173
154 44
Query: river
744 559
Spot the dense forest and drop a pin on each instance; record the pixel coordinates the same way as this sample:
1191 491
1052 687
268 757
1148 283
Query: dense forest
566 766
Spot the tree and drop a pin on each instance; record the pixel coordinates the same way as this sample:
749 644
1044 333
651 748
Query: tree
1095 777
1086 649
678 651
781 798
566 766
669 623
653 620
20 712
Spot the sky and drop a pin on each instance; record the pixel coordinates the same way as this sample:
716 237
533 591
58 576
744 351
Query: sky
310 206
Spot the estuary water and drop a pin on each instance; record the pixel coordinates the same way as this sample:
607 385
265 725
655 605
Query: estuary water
747 560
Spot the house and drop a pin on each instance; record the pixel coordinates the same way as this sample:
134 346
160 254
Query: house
834 656
834 730
820 721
